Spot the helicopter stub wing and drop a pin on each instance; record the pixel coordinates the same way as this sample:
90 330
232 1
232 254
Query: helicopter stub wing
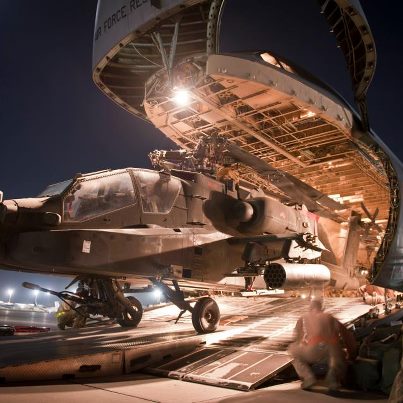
262 238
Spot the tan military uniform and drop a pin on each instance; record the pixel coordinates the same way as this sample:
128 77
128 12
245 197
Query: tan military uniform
317 341
68 317
65 315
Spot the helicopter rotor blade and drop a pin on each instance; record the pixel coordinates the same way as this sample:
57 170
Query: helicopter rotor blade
297 190
364 208
372 217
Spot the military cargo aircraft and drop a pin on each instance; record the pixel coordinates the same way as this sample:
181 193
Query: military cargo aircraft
278 183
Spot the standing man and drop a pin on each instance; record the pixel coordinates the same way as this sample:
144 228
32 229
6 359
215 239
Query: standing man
318 341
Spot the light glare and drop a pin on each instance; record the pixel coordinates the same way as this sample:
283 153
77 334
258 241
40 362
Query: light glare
10 292
181 97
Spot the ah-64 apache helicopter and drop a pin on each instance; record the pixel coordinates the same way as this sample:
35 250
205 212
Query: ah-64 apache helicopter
279 184
167 225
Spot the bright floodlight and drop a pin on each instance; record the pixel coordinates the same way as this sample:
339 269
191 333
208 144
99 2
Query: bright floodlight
181 97
157 293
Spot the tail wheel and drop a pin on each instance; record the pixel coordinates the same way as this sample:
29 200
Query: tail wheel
205 315
127 319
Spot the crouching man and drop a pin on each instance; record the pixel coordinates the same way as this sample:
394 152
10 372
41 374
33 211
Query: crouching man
318 341
65 315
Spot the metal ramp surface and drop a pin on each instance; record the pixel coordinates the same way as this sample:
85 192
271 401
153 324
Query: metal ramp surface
229 368
247 349
255 350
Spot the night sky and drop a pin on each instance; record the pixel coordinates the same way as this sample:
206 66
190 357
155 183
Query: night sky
54 122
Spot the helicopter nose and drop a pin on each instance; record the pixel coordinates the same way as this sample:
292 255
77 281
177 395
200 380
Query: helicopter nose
24 214
8 212
3 211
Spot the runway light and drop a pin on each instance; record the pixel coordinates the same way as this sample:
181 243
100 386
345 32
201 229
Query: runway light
303 296
36 292
10 293
181 97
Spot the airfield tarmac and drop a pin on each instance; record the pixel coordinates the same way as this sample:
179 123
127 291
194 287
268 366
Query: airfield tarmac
142 387
28 318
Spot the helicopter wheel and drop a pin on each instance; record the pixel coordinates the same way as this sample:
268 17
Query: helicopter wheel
126 319
205 315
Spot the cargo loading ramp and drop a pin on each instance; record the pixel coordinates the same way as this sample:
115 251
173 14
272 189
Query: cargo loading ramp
254 350
250 343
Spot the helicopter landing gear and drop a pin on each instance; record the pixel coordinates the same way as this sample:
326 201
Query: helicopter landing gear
127 317
94 296
205 313
104 296
249 283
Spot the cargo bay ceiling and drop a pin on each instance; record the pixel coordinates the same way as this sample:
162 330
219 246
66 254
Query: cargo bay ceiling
145 49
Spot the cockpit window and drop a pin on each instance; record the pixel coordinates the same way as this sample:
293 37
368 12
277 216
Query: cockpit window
158 192
56 189
96 196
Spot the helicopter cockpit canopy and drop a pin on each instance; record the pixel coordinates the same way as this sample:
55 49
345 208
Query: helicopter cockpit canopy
158 191
94 196
55 189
